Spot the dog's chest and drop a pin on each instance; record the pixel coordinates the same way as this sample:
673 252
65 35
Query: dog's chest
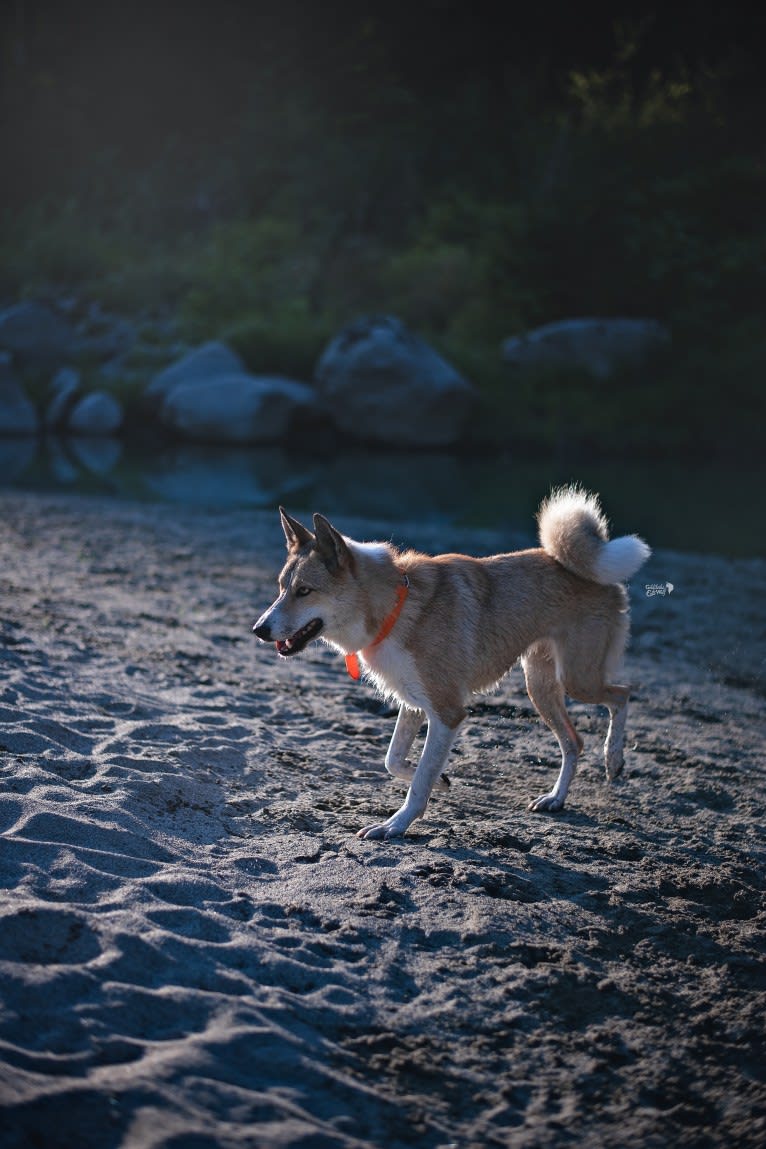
394 672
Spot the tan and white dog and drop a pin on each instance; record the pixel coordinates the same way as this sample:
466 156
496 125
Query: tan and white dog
430 631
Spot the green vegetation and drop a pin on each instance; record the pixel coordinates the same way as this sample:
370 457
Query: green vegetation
471 224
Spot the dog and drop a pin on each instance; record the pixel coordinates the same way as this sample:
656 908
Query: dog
430 631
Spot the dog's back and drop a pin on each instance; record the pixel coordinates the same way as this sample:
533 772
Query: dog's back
474 617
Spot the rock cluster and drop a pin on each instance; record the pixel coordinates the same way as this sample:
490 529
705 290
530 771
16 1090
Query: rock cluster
376 381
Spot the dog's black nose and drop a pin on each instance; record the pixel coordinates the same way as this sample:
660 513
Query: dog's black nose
262 630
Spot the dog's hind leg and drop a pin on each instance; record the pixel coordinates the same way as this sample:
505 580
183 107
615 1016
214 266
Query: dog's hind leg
590 662
586 686
616 699
405 732
438 745
547 694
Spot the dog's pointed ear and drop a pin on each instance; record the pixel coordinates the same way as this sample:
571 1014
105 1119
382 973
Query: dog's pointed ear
331 544
295 533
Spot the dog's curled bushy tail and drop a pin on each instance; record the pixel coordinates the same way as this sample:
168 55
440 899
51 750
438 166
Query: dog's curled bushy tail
574 530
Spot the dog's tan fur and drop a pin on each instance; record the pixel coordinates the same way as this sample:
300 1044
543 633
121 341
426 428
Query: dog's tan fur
560 608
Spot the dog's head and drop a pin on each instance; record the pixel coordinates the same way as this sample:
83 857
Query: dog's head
310 602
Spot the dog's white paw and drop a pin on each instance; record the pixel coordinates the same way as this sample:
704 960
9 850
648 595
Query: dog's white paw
393 828
546 803
614 766
373 833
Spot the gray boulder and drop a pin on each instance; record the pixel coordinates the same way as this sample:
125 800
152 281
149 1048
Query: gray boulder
17 412
598 346
235 408
95 414
35 335
204 364
379 381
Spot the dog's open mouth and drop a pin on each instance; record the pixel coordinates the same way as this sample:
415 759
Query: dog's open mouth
301 638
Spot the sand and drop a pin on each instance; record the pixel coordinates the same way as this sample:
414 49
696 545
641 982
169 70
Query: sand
197 952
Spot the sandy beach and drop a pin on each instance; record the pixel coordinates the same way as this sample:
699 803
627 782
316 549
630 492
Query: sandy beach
195 950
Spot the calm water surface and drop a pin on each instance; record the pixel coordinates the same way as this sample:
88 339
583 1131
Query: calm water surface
689 507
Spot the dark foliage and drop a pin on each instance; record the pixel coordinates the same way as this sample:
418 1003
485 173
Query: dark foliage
270 170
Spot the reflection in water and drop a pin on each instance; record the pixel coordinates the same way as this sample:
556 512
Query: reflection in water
237 476
364 483
97 455
63 468
380 485
676 505
16 457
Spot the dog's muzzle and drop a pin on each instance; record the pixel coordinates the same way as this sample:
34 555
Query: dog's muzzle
296 642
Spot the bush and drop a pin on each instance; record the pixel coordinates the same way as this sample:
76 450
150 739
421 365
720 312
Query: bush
289 345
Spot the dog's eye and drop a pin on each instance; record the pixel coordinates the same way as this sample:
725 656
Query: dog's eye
302 591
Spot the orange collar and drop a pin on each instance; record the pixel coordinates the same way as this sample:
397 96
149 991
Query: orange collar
352 660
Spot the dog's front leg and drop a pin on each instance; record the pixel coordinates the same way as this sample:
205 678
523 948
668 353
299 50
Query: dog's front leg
405 732
438 744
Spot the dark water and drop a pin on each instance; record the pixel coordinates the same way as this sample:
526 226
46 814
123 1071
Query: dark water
689 507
